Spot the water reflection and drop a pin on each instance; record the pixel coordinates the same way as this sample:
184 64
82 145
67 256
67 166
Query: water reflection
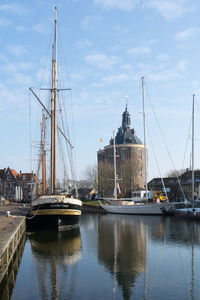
172 230
126 256
127 248
54 252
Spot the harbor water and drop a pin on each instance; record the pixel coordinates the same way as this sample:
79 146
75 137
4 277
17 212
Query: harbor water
112 257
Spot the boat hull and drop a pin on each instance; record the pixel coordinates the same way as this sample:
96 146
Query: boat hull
142 209
188 213
56 222
58 212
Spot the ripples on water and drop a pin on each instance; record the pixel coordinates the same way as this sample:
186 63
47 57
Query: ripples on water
113 257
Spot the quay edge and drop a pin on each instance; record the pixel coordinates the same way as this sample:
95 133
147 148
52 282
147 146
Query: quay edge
12 232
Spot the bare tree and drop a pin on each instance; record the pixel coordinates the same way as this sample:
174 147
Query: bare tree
90 176
105 179
84 184
176 173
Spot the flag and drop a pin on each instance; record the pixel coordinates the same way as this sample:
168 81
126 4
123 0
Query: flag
101 140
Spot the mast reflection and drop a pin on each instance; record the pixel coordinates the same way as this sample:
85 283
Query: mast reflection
126 256
55 252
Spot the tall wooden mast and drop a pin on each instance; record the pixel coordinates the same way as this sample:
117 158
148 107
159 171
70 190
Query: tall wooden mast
54 110
43 142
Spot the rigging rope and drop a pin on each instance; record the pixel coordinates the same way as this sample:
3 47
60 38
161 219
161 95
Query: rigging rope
188 137
164 141
69 150
163 184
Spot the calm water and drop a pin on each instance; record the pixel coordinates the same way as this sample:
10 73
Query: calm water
113 257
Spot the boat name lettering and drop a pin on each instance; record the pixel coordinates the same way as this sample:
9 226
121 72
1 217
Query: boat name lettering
59 205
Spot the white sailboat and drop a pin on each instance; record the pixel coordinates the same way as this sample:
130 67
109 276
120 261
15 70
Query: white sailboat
128 206
58 210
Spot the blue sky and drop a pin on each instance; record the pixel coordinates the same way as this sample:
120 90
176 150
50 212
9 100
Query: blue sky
106 47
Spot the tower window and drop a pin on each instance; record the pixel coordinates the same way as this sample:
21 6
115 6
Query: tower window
124 153
140 154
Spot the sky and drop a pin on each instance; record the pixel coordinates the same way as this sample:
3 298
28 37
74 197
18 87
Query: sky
106 46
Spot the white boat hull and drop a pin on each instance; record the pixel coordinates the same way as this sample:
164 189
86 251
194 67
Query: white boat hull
137 209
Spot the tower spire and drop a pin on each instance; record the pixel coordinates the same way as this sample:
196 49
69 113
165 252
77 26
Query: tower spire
126 102
126 119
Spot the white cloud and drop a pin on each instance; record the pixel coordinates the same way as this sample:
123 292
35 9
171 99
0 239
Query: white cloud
115 78
13 8
13 72
161 72
139 51
21 28
186 34
24 66
16 49
76 76
163 76
41 28
127 67
170 9
22 79
102 61
89 21
182 65
84 43
162 57
9 67
120 4
121 30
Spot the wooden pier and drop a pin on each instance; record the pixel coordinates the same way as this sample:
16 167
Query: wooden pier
12 232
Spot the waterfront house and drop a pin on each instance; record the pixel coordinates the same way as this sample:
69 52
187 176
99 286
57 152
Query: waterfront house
176 187
16 186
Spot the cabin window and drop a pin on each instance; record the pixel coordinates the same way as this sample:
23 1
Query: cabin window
24 177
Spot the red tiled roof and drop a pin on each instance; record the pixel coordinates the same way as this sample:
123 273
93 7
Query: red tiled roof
14 173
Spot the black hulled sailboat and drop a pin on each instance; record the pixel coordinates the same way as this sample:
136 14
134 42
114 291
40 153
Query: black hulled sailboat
54 210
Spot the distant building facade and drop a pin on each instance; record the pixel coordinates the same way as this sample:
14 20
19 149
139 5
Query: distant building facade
130 162
17 186
177 188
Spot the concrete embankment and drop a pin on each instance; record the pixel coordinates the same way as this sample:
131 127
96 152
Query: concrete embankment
12 232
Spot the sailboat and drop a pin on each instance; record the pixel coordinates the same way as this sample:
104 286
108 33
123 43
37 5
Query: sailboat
128 206
190 212
57 210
